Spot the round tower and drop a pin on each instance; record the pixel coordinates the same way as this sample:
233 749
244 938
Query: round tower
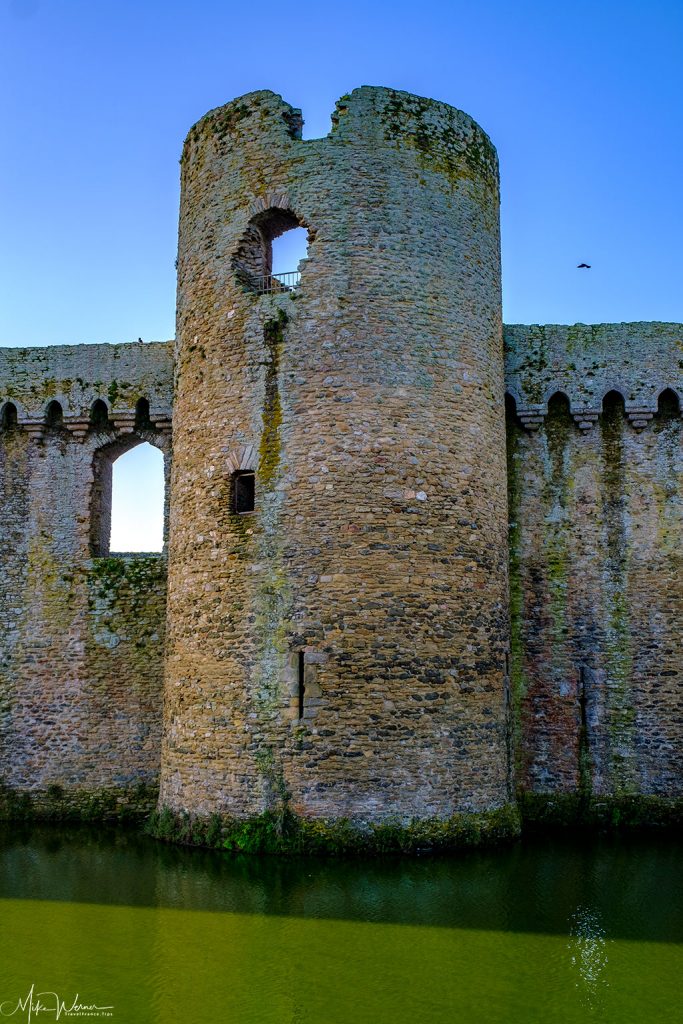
338 548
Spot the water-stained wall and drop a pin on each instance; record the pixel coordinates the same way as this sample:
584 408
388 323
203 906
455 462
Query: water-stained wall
595 478
81 633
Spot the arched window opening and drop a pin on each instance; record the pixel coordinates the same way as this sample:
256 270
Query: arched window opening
668 405
243 492
128 500
613 404
99 415
142 420
8 420
265 267
54 415
558 405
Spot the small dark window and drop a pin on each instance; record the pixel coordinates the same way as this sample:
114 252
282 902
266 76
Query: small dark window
99 415
244 493
142 420
8 421
668 406
54 416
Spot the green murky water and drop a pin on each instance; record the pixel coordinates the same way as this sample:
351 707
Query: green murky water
546 932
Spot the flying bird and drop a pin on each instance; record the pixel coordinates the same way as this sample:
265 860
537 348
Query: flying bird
582 265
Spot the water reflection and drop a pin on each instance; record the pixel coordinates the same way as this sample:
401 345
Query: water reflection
514 936
588 952
619 886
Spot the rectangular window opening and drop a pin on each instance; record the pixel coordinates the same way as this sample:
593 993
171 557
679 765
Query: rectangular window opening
244 493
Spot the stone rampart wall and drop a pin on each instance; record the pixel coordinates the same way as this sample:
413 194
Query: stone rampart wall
595 476
81 636
595 479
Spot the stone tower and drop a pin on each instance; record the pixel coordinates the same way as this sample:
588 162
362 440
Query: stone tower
343 646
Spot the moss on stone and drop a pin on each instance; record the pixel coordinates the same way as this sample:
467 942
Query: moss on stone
290 834
55 803
542 811
439 142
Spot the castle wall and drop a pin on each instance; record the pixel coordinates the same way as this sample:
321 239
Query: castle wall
81 637
370 406
349 649
596 511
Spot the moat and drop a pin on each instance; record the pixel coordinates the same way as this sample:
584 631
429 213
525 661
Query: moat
545 930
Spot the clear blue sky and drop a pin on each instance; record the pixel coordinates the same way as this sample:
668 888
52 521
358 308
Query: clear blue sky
582 100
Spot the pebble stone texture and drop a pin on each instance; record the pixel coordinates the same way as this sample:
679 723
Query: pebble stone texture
81 637
596 516
370 406
374 570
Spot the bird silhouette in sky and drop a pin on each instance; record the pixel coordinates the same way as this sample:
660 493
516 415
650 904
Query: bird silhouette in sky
587 266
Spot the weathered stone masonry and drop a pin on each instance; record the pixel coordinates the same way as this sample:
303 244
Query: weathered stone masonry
596 515
354 645
81 636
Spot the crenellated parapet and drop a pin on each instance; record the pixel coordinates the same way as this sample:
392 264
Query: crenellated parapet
585 362
86 389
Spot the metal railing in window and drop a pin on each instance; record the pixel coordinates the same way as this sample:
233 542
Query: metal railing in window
269 284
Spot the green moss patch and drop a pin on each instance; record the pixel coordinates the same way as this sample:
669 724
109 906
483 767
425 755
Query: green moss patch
286 833
97 806
543 811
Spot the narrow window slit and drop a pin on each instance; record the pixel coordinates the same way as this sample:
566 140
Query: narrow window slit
582 699
302 688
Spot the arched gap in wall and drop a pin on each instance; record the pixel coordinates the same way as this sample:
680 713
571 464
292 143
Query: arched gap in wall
54 415
289 249
128 499
8 418
99 415
142 420
510 410
613 405
668 405
243 492
268 258
558 405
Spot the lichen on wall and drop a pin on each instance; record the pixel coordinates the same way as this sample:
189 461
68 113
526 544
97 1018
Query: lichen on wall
81 639
596 486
